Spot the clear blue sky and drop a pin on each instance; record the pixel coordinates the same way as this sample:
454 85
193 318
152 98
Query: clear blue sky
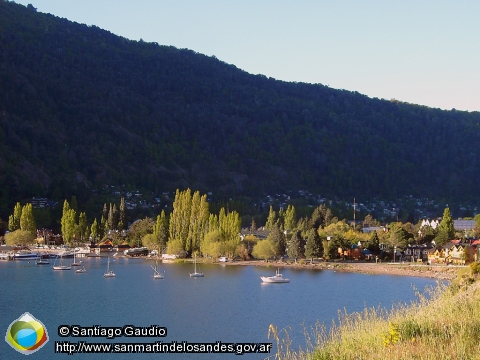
424 52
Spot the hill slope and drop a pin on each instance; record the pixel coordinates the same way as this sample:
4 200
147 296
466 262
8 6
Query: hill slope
81 107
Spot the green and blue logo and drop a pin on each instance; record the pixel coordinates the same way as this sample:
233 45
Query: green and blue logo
26 334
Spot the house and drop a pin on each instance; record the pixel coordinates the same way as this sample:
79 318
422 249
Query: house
459 253
354 252
105 246
435 256
417 252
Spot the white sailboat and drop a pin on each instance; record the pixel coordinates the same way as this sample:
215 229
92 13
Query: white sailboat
75 263
196 274
61 266
81 270
109 272
156 273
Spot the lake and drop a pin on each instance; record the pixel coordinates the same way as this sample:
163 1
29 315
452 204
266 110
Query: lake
228 305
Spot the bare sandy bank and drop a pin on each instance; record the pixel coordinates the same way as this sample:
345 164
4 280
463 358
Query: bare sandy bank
402 269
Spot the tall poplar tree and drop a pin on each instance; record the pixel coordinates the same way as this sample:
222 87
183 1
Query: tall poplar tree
271 220
27 221
446 230
63 221
94 230
69 226
180 219
290 217
82 226
122 215
14 219
160 230
110 218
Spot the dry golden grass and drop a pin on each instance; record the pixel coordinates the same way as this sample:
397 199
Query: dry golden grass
443 323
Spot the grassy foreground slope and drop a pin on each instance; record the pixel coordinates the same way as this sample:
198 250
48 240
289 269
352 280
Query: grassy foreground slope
444 323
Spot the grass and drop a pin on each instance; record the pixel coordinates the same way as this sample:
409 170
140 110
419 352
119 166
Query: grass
443 323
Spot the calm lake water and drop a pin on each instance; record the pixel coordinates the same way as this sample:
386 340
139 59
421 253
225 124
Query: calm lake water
230 304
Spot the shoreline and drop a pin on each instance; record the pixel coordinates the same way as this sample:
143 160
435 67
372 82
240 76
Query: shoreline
440 272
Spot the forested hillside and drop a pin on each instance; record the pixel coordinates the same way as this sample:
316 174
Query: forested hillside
81 107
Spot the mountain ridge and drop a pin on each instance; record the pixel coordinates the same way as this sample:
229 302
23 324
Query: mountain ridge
83 107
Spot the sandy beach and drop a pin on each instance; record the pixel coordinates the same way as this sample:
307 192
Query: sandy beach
440 272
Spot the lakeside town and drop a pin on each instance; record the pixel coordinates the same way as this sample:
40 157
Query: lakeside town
284 237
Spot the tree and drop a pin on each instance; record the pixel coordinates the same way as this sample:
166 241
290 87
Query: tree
139 229
328 248
105 211
446 226
102 229
179 224
122 214
83 226
277 237
230 225
328 217
150 241
27 221
110 218
253 227
264 249
11 223
374 243
397 236
370 221
14 220
212 244
296 247
19 237
313 247
161 231
66 208
94 230
69 226
290 218
199 215
318 217
272 217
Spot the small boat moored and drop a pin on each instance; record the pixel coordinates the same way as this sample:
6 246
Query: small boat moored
81 270
109 272
61 266
277 278
196 274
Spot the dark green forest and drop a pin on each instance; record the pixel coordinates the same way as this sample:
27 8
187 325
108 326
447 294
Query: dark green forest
81 107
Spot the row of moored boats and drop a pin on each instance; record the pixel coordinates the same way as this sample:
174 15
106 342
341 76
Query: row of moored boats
43 259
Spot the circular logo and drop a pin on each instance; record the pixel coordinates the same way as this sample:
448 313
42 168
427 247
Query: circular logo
26 334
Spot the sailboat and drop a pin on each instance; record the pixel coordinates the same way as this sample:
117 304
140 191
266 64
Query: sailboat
81 270
109 272
43 260
196 274
61 266
75 263
156 273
